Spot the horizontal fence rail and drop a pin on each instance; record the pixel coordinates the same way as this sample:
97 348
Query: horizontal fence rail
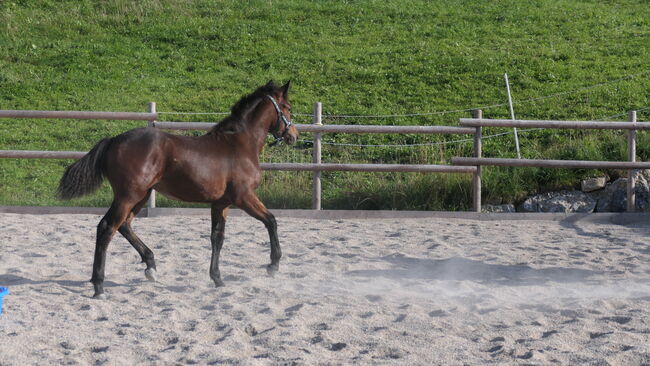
398 168
579 125
129 116
576 164
334 128
32 154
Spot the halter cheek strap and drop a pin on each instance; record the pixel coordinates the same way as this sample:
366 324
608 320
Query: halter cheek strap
281 118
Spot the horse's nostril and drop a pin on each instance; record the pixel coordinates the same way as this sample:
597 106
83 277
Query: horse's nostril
290 139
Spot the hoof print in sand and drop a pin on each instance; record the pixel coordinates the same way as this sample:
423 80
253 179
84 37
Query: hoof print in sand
250 330
338 346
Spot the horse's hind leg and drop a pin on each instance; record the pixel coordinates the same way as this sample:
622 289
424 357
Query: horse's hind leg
145 253
219 213
254 207
113 219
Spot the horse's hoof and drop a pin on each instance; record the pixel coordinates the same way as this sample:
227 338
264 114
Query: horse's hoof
219 283
150 273
272 269
101 296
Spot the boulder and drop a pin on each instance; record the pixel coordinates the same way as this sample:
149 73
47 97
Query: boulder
642 191
563 201
593 184
500 208
613 198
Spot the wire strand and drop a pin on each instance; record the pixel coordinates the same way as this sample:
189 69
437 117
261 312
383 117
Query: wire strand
458 141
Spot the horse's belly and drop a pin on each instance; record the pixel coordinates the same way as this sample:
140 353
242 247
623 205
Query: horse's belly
189 193
170 196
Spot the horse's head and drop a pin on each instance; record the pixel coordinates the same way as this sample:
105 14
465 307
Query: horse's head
283 128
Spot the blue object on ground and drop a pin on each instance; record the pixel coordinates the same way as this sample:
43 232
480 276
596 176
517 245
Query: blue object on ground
3 291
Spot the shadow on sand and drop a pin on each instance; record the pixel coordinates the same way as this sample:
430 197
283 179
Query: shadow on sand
461 269
77 287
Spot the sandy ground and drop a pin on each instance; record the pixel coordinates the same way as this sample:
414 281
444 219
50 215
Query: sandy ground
411 292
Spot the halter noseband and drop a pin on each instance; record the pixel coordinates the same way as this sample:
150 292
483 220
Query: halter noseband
281 118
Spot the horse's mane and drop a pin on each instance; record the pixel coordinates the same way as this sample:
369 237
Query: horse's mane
235 121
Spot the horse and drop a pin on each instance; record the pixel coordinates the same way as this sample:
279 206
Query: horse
221 168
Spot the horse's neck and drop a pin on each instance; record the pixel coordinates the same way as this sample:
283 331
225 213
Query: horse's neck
250 129
258 126
249 135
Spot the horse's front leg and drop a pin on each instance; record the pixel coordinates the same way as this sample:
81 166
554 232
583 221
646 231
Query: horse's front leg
254 207
219 213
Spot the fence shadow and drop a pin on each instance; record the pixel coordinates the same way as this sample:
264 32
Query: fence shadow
571 222
462 269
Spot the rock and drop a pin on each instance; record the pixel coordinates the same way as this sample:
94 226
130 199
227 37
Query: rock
593 184
500 208
642 191
563 201
614 197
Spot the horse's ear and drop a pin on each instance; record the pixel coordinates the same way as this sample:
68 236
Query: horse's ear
285 88
270 83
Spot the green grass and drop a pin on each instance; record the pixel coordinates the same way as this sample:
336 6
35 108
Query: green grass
357 57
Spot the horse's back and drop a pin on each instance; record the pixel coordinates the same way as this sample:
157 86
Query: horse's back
138 146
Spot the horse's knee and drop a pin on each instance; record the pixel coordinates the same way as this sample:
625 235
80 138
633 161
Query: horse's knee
216 236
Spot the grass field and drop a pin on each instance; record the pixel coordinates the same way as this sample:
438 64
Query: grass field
575 60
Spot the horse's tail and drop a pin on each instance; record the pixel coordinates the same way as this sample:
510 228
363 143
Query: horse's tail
86 174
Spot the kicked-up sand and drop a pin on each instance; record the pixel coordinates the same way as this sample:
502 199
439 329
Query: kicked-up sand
379 291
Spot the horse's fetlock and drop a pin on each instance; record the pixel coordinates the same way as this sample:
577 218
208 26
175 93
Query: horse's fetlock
148 256
276 258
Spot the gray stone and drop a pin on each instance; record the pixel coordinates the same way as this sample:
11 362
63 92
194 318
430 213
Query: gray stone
614 197
642 191
563 201
500 208
593 184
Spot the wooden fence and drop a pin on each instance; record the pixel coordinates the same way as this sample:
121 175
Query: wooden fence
472 165
632 126
317 166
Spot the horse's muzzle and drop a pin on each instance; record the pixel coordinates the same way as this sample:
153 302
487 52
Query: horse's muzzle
291 136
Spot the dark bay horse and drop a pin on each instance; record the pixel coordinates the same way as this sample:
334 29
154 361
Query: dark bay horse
220 167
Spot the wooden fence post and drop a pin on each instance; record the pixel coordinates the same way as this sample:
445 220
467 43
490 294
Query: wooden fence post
476 182
631 156
152 197
316 158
